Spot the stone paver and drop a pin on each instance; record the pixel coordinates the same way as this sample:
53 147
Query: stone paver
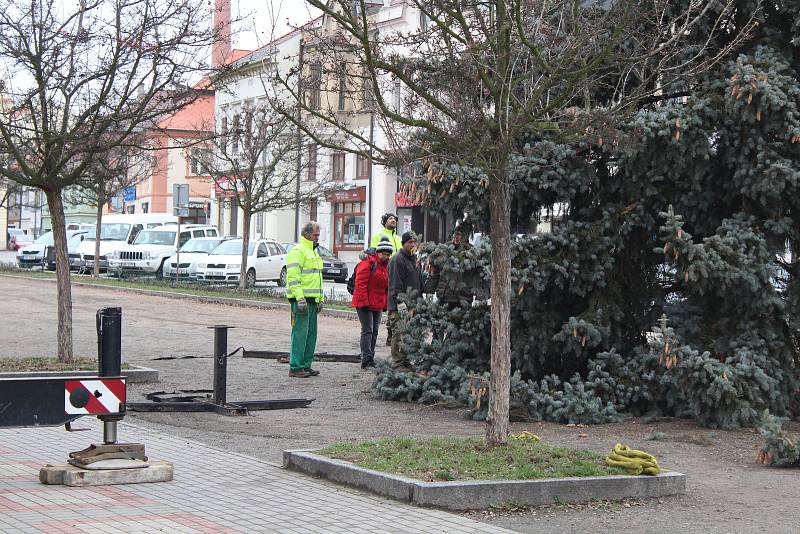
214 491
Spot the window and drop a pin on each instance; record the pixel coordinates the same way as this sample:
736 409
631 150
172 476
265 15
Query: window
368 93
197 233
363 165
312 210
185 236
236 135
145 207
260 223
262 251
211 233
273 249
248 129
348 226
396 93
342 85
337 166
314 85
223 140
311 154
198 161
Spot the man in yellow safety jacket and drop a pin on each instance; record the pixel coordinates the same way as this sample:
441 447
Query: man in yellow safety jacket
389 230
304 291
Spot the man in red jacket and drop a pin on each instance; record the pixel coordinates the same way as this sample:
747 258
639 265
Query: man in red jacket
370 297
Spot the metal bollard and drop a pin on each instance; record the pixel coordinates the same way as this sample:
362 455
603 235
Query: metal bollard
221 363
109 354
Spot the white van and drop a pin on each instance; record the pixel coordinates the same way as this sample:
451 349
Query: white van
116 231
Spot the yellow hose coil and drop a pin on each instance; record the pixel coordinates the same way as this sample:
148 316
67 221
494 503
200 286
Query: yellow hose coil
633 461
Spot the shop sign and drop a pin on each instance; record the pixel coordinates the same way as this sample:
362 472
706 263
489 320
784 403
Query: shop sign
197 205
224 187
402 201
358 194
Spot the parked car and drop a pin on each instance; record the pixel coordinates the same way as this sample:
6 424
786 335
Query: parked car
74 239
149 252
116 231
17 238
266 260
32 254
332 267
193 252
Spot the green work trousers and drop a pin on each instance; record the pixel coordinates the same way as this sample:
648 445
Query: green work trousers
304 337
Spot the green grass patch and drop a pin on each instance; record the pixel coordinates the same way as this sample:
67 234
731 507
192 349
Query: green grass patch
20 365
262 294
438 459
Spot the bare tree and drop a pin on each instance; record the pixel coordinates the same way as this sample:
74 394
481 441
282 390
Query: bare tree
109 175
82 77
256 163
471 81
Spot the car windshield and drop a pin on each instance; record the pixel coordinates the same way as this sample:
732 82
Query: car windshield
45 239
233 247
155 237
200 245
74 240
111 232
324 251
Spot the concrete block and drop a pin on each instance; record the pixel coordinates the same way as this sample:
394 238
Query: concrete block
68 475
352 475
482 494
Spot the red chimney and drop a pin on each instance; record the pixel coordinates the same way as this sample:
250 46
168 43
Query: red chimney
221 48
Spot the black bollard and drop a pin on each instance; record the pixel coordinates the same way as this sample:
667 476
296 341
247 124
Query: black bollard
220 364
109 355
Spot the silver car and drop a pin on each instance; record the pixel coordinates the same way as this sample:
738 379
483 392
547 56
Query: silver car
194 251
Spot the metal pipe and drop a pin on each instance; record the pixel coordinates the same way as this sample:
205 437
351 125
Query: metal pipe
109 355
109 432
220 364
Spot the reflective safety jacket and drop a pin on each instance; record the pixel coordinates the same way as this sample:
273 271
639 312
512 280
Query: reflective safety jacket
304 271
391 235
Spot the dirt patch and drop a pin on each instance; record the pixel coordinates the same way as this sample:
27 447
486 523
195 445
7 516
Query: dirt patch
727 490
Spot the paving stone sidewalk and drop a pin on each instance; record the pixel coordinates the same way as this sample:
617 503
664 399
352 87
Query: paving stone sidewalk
213 492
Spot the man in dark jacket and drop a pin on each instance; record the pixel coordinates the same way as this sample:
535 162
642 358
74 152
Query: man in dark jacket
404 278
450 286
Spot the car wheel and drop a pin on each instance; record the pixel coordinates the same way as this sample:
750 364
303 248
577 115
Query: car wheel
250 279
282 278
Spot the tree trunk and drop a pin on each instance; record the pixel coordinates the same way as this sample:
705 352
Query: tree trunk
500 384
245 243
63 287
97 226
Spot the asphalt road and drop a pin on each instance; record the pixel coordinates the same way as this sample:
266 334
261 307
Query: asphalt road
727 490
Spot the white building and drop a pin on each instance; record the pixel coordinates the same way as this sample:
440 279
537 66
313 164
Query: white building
351 215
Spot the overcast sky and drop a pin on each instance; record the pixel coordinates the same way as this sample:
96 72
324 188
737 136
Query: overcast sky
258 17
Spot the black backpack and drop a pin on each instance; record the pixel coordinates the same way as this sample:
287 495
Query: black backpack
351 282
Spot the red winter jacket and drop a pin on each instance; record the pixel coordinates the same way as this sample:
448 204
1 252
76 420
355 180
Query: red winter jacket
372 288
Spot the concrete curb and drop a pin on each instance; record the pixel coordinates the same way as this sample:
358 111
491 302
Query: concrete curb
482 494
229 301
135 375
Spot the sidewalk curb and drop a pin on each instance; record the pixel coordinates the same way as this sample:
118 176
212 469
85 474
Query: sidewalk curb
229 301
484 494
135 375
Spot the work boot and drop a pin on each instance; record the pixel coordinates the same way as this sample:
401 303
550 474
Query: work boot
312 372
299 373
366 363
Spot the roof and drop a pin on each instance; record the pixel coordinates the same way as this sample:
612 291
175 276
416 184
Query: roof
197 116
